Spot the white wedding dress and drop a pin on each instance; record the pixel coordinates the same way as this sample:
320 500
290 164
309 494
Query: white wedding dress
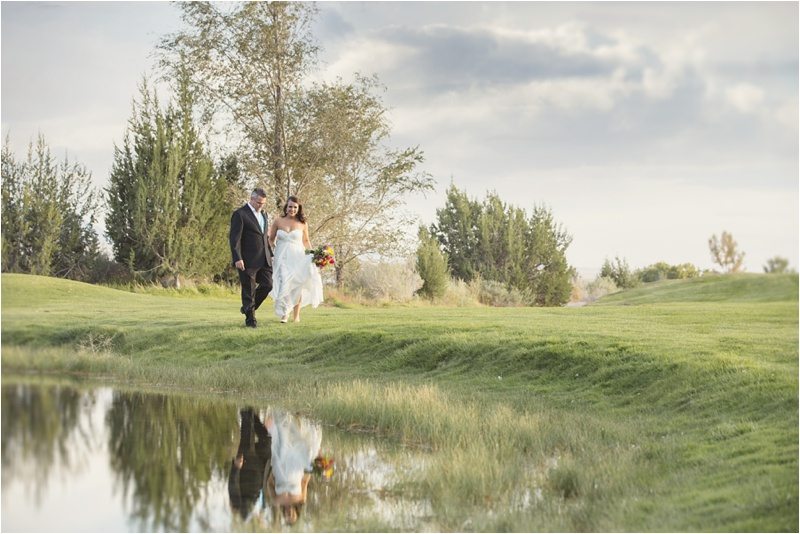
295 444
295 278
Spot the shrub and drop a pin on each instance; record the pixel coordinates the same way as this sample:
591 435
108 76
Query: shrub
664 271
107 271
494 293
396 282
431 266
620 272
599 287
777 265
460 293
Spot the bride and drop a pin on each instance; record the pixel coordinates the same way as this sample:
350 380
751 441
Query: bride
295 279
295 443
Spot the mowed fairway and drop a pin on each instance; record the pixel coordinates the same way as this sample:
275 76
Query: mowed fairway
672 407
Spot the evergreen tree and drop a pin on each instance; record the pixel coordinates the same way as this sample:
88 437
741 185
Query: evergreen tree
499 243
431 266
14 222
493 239
516 242
168 206
457 231
48 215
549 274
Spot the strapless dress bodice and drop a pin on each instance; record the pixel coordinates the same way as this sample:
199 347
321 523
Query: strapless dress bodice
295 235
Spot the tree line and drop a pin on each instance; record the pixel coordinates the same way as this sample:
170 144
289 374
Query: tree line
725 253
48 214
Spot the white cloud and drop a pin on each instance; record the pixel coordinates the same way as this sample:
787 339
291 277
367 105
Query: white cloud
745 98
366 55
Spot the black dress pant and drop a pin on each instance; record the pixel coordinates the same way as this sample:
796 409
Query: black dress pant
256 285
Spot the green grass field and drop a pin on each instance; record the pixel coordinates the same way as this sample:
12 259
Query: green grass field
672 407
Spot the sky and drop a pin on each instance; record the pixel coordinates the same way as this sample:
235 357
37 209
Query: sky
645 127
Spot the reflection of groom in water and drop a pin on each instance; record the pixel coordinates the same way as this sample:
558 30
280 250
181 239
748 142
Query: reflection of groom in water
252 255
247 470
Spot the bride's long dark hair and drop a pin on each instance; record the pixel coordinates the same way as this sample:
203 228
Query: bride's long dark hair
300 215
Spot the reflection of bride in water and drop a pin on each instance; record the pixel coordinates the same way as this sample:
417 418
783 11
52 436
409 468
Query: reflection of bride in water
295 445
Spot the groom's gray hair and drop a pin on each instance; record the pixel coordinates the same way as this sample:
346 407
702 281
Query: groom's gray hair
258 192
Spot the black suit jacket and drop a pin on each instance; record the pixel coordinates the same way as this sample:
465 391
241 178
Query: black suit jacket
255 448
248 242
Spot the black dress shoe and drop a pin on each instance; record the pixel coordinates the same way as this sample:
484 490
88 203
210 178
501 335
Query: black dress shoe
252 323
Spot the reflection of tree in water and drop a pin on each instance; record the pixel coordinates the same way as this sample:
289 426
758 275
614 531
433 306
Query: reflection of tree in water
165 450
42 430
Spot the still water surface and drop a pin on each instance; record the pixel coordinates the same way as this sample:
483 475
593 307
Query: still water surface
98 459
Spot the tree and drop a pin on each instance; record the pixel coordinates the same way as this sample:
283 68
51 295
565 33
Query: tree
725 252
777 265
431 266
549 274
361 185
500 243
229 170
249 60
48 215
457 231
168 214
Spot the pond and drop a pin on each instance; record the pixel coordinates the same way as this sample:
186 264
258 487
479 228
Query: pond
79 458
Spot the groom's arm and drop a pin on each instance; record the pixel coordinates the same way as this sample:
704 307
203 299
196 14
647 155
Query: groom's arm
235 237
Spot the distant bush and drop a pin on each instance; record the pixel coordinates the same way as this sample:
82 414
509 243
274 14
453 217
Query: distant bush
664 271
620 272
431 266
599 287
396 282
460 293
777 265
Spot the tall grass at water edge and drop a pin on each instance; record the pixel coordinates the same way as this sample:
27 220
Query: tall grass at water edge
661 410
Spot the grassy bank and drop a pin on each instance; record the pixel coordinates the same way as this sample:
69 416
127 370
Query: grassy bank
670 407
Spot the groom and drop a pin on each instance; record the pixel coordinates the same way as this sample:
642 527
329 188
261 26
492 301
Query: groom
252 255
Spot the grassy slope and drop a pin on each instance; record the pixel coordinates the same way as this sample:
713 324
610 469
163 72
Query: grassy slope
670 407
713 288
